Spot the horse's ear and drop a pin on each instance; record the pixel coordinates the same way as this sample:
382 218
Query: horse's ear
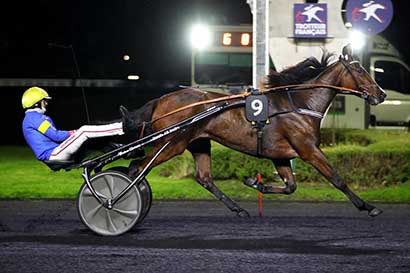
347 52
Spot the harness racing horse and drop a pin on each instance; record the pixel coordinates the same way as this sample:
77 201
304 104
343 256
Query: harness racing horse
293 133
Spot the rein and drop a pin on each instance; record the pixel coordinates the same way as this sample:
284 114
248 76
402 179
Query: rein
342 90
238 96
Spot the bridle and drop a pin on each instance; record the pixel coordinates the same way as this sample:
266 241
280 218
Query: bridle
363 90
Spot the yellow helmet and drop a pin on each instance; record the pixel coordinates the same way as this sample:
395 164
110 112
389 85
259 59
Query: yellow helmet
33 95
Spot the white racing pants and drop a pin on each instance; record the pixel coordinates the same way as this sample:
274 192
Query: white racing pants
71 145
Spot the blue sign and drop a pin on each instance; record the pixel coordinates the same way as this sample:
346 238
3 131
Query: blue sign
369 16
310 20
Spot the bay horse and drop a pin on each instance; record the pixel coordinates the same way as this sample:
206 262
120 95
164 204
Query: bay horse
287 136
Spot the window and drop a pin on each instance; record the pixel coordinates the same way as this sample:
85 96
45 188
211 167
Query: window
392 75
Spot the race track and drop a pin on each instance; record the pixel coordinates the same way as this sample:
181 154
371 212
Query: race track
203 236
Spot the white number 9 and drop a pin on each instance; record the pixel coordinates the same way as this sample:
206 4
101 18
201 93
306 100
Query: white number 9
257 107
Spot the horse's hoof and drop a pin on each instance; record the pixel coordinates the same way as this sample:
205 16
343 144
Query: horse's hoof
251 182
374 212
243 214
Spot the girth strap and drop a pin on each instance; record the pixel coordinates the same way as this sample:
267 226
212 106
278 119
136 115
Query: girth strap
308 112
259 139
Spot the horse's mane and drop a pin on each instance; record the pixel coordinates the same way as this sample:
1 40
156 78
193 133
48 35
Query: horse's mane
299 73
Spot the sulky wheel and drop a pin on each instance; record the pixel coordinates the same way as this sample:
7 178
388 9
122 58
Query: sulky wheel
124 214
145 190
146 194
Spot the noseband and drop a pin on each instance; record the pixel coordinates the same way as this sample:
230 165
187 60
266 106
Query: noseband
364 90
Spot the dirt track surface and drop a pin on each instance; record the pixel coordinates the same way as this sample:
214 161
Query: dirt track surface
203 236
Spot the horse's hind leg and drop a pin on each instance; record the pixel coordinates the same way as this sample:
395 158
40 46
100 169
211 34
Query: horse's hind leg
284 169
201 151
317 159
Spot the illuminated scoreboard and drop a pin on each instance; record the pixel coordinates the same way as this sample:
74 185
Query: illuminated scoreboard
225 38
222 57
231 38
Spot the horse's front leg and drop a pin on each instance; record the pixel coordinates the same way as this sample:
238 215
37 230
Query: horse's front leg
284 169
201 151
318 160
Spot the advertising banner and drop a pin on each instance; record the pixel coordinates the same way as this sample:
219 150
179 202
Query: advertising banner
369 16
310 20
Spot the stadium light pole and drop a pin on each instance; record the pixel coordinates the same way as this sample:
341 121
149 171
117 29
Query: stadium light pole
260 59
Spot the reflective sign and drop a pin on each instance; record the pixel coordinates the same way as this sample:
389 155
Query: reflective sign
310 20
370 17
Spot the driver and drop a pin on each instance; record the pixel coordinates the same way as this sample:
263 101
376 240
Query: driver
45 140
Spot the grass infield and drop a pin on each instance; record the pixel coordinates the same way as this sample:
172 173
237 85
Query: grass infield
22 176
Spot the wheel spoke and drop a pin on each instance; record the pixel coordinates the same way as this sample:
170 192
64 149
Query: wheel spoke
94 211
110 223
109 180
127 213
126 196
88 193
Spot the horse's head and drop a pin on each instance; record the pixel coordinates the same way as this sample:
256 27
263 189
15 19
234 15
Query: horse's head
357 78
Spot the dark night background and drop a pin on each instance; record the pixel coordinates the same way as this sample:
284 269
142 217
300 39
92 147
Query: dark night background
153 33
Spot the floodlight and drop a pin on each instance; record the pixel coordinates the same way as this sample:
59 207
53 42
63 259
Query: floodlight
357 40
133 77
200 36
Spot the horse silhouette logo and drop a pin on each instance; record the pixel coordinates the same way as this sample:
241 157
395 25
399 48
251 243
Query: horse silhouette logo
369 9
310 20
371 16
310 13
